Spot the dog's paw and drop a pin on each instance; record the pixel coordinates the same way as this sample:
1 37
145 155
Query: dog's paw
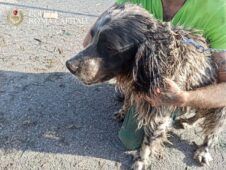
119 116
203 156
181 124
138 165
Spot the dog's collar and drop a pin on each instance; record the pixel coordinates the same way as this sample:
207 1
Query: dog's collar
199 47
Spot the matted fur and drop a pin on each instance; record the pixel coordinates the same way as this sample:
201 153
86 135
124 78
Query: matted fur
160 53
163 54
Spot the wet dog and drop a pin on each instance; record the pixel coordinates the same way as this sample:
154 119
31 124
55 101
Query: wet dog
140 52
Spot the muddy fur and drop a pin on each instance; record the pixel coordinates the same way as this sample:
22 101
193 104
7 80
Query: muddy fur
160 53
168 57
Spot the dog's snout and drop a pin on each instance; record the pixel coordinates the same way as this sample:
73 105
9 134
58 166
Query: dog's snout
72 65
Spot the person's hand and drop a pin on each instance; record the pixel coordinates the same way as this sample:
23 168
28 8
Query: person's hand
171 95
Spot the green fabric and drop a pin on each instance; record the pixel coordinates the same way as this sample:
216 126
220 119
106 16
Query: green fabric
129 134
208 16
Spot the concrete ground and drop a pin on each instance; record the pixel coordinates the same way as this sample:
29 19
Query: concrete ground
48 120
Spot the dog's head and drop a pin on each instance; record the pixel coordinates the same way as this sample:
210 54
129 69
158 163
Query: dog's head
115 40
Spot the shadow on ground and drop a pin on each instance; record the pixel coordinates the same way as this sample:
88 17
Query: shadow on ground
52 112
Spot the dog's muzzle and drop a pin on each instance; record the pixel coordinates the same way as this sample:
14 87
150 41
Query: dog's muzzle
73 66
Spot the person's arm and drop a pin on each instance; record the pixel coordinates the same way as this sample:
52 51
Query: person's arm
213 96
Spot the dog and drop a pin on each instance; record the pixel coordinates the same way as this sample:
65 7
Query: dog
139 51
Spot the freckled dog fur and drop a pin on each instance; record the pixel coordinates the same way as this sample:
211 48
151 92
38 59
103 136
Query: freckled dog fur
139 51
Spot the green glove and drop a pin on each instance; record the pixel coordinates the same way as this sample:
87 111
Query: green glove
129 135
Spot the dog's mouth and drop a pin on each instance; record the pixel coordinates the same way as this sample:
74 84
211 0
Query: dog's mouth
96 80
90 71
84 78
87 82
84 70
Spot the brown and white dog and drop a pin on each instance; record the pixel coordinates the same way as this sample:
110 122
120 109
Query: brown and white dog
140 52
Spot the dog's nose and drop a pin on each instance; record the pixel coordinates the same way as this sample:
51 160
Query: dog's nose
72 65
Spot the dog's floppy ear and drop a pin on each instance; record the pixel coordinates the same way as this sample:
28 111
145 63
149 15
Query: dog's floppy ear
141 74
147 69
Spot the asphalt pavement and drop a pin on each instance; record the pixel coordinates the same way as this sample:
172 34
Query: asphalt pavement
48 119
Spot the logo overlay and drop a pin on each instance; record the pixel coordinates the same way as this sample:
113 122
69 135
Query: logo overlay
15 17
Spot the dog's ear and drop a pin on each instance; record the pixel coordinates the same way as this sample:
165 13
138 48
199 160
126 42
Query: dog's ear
141 73
148 68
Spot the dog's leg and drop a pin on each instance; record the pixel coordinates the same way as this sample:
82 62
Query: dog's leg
155 136
182 123
212 126
120 115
